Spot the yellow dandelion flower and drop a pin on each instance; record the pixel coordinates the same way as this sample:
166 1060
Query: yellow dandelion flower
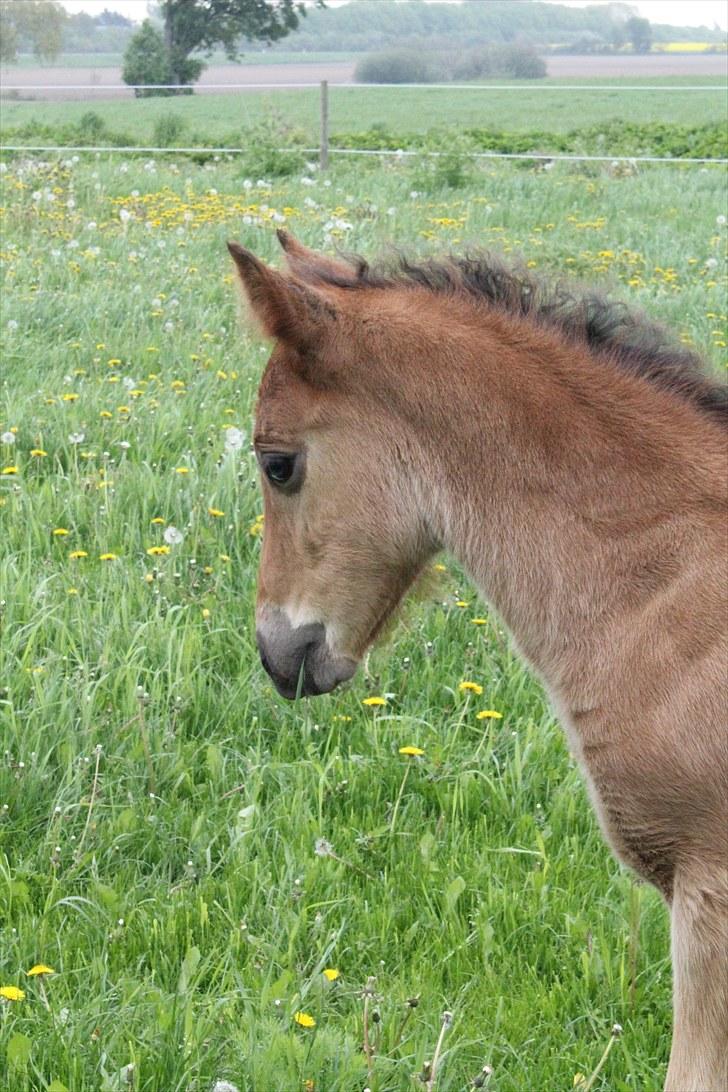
304 1020
60 531
70 397
149 578
489 714
108 557
472 687
106 414
440 568
10 470
39 969
462 603
38 452
207 569
479 621
181 470
331 974
158 551
75 554
72 591
374 701
12 993
215 512
205 612
158 520
123 409
415 752
224 557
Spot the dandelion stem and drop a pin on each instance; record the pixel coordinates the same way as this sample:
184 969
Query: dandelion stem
368 1048
602 1061
399 799
400 1029
92 799
634 938
147 750
446 1021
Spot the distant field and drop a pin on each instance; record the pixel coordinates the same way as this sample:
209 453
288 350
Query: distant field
402 110
115 60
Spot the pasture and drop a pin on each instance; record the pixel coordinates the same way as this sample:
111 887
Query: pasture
214 117
224 883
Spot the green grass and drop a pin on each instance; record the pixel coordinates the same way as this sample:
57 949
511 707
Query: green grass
159 804
405 110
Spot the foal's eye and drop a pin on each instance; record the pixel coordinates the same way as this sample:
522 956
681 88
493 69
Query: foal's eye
282 469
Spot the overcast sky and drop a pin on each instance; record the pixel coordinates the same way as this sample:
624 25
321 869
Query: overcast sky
677 12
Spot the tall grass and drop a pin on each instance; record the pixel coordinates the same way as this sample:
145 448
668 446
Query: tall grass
188 852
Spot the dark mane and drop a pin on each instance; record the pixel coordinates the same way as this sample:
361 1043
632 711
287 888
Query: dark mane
607 326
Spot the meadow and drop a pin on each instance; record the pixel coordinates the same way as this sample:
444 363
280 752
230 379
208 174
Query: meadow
227 887
405 110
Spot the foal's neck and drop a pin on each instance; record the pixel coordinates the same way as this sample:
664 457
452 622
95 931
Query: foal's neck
562 485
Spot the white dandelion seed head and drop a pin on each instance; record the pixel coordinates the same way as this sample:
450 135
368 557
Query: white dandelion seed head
173 536
234 439
7 438
322 848
224 1086
721 221
12 324
76 437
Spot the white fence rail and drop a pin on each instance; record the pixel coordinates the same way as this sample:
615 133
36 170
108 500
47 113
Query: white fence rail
324 150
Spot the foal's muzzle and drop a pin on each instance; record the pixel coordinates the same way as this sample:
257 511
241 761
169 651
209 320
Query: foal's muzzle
297 658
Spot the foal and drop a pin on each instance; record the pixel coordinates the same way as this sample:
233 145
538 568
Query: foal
575 464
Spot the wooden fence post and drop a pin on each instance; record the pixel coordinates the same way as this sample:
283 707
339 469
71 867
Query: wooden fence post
324 146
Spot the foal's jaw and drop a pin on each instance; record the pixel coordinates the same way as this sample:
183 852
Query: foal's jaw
298 658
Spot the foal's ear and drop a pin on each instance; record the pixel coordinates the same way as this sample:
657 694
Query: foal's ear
310 266
281 308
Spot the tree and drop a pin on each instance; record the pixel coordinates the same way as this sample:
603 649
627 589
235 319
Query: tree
202 25
146 61
639 32
36 25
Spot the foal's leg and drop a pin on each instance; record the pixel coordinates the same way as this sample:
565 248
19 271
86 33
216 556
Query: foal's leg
699 1057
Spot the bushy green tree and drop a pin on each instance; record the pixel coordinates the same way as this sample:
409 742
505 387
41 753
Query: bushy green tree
37 25
146 61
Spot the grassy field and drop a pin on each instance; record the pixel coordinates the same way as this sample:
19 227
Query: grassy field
161 809
404 110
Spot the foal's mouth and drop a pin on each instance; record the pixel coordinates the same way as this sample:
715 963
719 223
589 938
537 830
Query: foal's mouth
297 658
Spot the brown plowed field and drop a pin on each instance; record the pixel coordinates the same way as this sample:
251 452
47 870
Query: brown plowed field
105 81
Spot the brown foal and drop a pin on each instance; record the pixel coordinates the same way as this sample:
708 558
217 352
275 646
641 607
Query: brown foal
575 462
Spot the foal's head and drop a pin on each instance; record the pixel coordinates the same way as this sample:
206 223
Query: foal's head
344 533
